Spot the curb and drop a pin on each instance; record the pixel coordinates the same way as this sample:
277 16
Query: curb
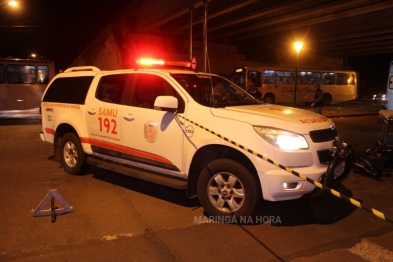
351 115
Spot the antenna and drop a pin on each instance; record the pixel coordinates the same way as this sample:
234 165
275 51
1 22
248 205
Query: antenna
205 36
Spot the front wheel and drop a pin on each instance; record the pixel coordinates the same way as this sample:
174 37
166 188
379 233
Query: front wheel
227 189
366 164
73 158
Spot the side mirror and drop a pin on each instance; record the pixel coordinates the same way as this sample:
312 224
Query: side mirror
166 103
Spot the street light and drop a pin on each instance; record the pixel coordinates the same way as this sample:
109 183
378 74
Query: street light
11 3
298 47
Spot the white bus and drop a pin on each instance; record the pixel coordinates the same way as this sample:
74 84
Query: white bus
22 82
277 84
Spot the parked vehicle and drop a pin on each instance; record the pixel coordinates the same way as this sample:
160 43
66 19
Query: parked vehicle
380 96
188 130
22 83
277 83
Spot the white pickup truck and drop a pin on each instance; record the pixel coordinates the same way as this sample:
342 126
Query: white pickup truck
188 130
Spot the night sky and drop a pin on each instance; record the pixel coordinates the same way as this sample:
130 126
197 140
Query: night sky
53 29
373 71
59 30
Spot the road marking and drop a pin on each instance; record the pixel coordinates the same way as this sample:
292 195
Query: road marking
371 252
117 236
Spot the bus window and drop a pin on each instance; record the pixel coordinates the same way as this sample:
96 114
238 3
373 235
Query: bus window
43 75
328 78
269 76
238 76
239 79
2 74
313 77
351 79
301 77
21 74
284 77
341 79
257 76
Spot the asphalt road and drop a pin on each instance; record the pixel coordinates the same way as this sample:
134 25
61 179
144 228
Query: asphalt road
118 218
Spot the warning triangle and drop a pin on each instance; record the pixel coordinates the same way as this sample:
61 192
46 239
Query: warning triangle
50 197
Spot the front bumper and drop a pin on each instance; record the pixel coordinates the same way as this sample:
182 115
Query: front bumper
338 169
330 175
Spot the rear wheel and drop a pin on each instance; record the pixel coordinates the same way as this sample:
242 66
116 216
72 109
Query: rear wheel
228 189
73 158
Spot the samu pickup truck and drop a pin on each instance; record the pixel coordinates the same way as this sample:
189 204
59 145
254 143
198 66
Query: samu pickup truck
188 130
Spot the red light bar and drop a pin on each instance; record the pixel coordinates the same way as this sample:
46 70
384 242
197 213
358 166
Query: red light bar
184 64
150 61
147 62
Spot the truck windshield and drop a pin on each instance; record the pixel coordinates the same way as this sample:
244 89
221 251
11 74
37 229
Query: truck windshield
214 91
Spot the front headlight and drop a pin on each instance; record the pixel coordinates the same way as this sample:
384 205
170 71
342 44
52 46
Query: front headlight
282 139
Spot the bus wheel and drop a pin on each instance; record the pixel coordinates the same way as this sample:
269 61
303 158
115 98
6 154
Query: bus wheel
269 99
327 99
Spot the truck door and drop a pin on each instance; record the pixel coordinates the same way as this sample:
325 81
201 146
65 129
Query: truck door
103 116
151 136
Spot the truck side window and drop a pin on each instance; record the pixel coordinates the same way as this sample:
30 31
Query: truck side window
148 87
110 88
70 90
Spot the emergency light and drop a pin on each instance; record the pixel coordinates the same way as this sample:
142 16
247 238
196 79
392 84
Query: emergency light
159 63
150 61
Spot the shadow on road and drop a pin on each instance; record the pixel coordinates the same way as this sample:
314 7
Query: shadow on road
162 192
325 209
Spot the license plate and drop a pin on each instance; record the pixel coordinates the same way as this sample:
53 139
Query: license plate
339 170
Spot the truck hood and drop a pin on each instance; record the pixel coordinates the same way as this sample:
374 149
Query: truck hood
288 118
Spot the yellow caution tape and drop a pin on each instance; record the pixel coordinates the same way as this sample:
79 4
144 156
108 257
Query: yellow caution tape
316 183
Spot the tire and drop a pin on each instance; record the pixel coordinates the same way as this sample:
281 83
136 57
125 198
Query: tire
269 99
366 164
227 189
73 158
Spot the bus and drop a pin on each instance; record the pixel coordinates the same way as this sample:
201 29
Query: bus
22 83
277 84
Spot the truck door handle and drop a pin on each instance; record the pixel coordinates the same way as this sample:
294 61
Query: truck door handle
129 117
91 111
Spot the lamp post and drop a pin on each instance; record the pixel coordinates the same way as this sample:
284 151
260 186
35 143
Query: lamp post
298 47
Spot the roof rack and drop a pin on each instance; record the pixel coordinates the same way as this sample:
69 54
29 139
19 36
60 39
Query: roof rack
82 68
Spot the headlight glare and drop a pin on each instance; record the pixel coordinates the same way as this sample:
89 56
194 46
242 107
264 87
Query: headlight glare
282 139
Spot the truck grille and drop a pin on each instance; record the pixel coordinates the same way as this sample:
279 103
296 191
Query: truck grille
324 135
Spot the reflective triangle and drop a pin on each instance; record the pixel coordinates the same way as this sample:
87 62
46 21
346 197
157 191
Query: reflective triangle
52 194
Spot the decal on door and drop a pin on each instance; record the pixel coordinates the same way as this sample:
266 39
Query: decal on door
108 123
151 132
189 131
